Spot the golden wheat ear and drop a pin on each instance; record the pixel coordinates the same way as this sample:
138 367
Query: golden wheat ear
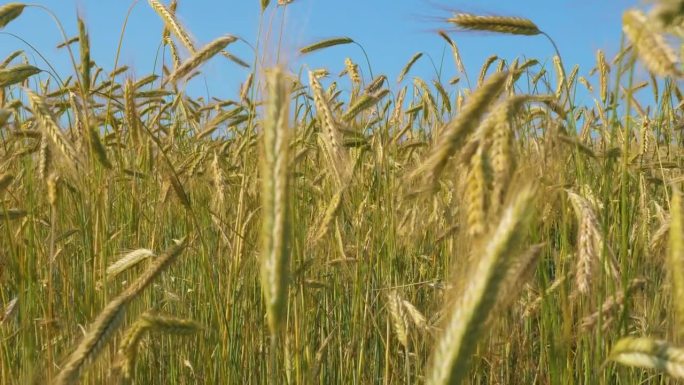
275 200
500 24
467 318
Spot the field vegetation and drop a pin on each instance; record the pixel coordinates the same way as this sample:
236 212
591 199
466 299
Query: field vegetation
326 227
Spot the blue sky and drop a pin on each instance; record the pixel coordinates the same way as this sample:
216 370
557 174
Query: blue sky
391 31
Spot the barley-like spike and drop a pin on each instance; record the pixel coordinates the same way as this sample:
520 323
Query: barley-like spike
9 12
457 130
650 45
50 128
468 316
476 194
84 42
127 261
201 56
500 24
329 216
485 67
603 70
455 52
155 268
643 352
275 200
408 66
400 319
157 323
331 135
16 74
97 337
172 24
325 44
675 260
363 103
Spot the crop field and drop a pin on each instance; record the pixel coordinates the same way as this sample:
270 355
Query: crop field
323 226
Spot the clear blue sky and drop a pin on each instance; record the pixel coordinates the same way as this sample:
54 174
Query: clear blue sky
390 30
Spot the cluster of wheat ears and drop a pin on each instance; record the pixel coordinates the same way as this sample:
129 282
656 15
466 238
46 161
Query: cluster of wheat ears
344 229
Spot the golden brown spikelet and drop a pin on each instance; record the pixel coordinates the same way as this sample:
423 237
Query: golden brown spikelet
275 177
128 348
453 135
485 67
109 319
376 84
160 323
95 339
408 66
50 128
603 70
219 182
455 52
329 216
498 130
398 104
476 194
361 104
353 71
400 319
643 352
172 24
331 135
500 24
590 244
127 261
155 268
560 76
149 323
131 112
650 45
426 95
166 34
201 56
466 319
173 50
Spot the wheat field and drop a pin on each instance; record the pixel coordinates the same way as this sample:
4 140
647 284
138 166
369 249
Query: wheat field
325 227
